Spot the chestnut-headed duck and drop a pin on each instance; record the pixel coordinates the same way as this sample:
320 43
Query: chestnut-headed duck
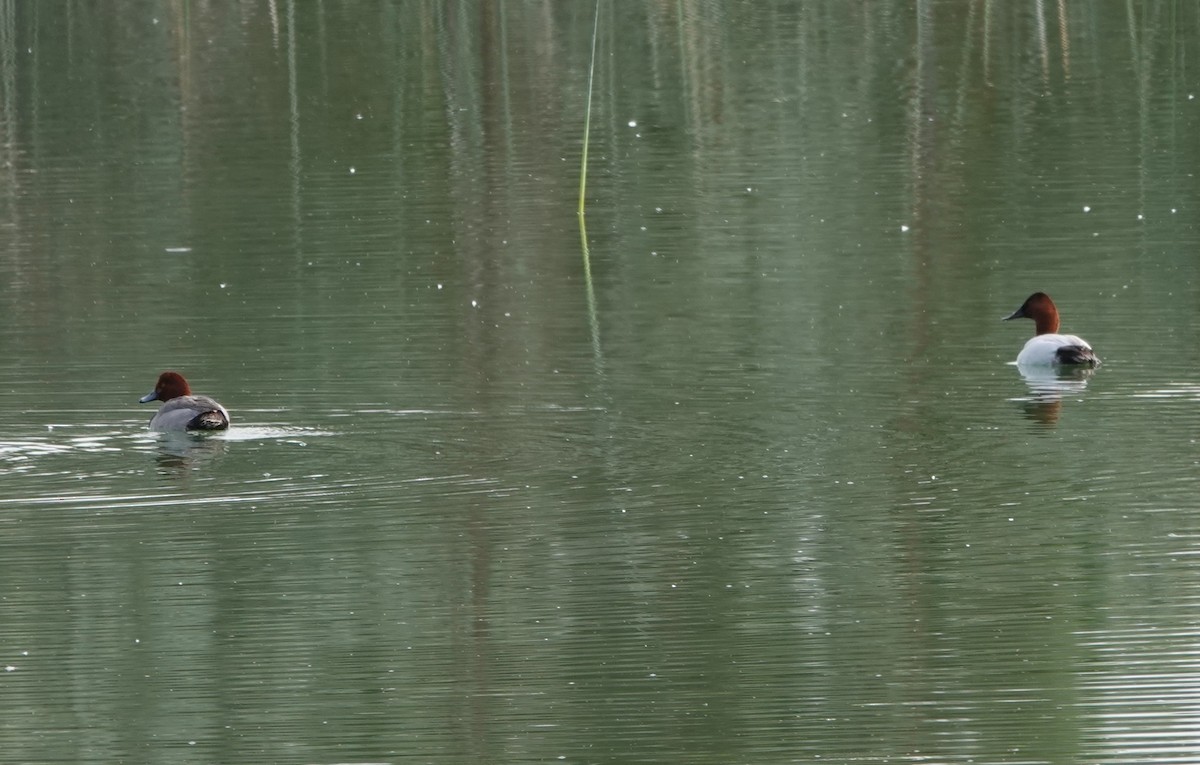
181 410
1047 347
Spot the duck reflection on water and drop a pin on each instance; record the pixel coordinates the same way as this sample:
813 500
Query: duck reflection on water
1048 385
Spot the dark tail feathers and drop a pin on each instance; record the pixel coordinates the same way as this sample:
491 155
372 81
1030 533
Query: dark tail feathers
212 420
1077 355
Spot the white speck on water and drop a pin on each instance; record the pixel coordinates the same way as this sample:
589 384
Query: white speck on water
1191 96
358 116
632 123
178 249
903 228
1172 210
657 209
352 170
222 285
1087 208
474 303
1141 217
10 668
439 286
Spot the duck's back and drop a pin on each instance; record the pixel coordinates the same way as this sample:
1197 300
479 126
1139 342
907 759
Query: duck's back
190 413
1057 349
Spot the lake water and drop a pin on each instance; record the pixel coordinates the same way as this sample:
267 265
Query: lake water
754 482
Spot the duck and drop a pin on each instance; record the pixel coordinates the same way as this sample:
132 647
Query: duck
182 411
1047 347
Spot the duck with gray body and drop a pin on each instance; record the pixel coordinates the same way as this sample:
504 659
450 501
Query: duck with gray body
181 410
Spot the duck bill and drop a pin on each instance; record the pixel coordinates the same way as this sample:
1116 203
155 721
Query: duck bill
151 396
1017 314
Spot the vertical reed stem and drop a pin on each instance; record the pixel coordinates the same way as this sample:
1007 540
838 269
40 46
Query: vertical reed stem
593 318
587 120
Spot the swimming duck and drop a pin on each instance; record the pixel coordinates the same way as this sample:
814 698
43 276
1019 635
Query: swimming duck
1047 346
181 410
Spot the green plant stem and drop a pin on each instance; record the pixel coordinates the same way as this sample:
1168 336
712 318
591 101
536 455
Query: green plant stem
587 120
